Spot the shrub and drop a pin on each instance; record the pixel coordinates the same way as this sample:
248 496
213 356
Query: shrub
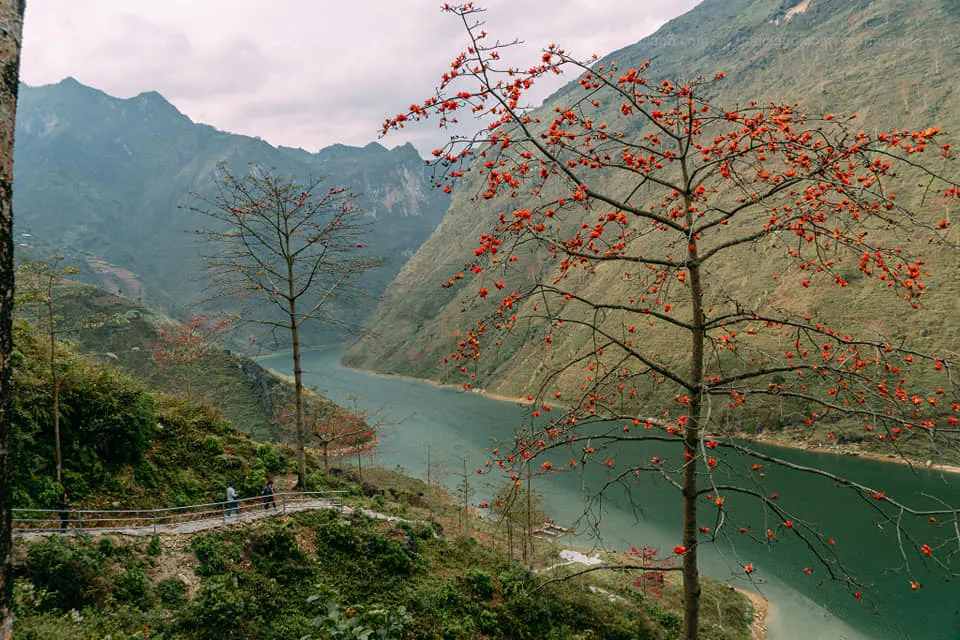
146 475
131 587
153 547
71 574
276 554
272 459
212 446
107 546
669 621
390 555
213 554
219 610
481 583
489 622
338 535
172 592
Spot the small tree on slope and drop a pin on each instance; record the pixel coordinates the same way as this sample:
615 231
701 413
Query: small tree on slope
675 206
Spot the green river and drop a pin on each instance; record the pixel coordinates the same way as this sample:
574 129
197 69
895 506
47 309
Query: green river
802 606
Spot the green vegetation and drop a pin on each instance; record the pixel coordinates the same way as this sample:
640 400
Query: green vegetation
318 574
327 575
123 443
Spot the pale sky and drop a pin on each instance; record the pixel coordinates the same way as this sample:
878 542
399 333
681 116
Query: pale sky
304 73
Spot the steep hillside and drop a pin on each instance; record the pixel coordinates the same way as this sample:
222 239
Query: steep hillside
106 179
188 362
887 60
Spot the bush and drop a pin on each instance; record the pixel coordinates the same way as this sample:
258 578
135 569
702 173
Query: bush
172 592
153 547
212 446
489 622
213 554
71 574
219 610
276 554
338 535
106 546
481 583
272 459
146 475
669 621
131 587
390 555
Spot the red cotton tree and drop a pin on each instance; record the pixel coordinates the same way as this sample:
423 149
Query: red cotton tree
698 251
185 346
329 424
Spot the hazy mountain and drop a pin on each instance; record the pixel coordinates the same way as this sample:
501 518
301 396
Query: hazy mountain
102 179
894 62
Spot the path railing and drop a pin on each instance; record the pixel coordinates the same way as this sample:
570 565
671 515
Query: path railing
171 519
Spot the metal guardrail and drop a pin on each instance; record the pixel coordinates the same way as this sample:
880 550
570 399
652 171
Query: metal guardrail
80 521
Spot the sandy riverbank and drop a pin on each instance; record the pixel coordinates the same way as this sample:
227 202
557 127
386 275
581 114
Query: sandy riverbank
853 450
761 607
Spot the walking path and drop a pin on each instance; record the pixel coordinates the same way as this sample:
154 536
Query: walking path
30 523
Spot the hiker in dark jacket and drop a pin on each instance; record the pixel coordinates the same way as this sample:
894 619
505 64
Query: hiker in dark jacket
268 498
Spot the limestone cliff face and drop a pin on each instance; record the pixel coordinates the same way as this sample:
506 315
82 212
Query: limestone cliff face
889 61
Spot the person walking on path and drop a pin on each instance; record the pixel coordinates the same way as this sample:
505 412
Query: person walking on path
64 512
267 493
232 502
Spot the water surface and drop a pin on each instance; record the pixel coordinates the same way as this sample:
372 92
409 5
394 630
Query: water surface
453 424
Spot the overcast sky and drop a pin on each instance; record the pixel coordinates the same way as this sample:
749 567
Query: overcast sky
302 73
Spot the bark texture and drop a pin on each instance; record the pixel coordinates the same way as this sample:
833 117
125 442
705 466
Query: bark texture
11 29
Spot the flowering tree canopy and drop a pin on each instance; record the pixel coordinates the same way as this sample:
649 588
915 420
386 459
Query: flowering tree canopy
649 214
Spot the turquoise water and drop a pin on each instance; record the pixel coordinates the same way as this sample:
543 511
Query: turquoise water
454 424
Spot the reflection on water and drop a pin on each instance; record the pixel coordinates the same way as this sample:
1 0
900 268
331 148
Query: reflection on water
454 423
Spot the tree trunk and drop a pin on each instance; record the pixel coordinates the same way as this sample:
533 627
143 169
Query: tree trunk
529 523
298 392
11 28
466 501
55 382
691 439
326 457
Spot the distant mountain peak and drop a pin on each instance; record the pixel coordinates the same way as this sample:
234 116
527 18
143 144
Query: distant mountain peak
154 101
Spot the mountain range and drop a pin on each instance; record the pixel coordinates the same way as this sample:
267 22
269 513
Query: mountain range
108 182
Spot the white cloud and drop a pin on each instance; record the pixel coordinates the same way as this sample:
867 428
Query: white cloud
305 73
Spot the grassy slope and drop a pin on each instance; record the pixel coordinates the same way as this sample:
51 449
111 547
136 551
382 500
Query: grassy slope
114 331
254 581
884 60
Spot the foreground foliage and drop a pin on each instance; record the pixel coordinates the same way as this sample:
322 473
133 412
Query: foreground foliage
324 575
123 443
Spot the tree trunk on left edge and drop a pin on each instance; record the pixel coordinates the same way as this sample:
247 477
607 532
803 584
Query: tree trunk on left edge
11 29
